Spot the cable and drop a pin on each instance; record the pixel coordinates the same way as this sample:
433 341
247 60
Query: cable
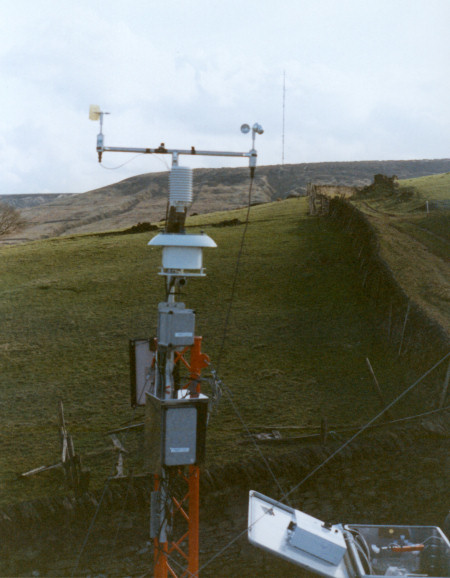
337 430
91 526
225 329
163 487
230 543
362 542
122 165
368 424
169 491
363 548
236 271
364 556
401 419
132 159
343 446
122 514
244 425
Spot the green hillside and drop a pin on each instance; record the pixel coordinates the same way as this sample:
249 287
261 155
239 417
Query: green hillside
432 187
299 332
144 197
412 222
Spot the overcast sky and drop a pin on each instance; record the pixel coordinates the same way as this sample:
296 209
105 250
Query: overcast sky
365 80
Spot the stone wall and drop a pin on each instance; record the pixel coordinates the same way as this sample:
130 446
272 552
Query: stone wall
405 325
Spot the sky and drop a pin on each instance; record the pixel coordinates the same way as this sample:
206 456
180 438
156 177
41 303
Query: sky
352 79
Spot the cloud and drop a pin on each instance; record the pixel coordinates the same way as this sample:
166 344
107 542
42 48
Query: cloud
363 81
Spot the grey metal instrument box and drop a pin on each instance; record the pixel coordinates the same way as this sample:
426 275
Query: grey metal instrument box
175 431
176 325
181 436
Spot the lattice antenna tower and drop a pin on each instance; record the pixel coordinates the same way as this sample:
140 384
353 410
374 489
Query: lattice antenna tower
284 117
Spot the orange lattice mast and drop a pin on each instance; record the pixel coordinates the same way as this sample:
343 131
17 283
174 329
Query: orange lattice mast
182 546
179 409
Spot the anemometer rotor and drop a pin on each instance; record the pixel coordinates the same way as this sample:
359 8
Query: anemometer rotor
256 129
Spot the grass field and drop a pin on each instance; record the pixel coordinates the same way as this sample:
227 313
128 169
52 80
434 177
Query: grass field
433 187
299 332
415 239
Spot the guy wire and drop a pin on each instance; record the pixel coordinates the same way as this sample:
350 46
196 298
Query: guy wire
225 331
236 272
366 426
247 430
330 457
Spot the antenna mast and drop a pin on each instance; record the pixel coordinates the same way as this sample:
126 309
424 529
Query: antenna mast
284 108
175 409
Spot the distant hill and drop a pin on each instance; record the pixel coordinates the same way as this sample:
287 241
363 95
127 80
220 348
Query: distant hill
26 201
144 197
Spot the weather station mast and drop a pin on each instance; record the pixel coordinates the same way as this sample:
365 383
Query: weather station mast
175 408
